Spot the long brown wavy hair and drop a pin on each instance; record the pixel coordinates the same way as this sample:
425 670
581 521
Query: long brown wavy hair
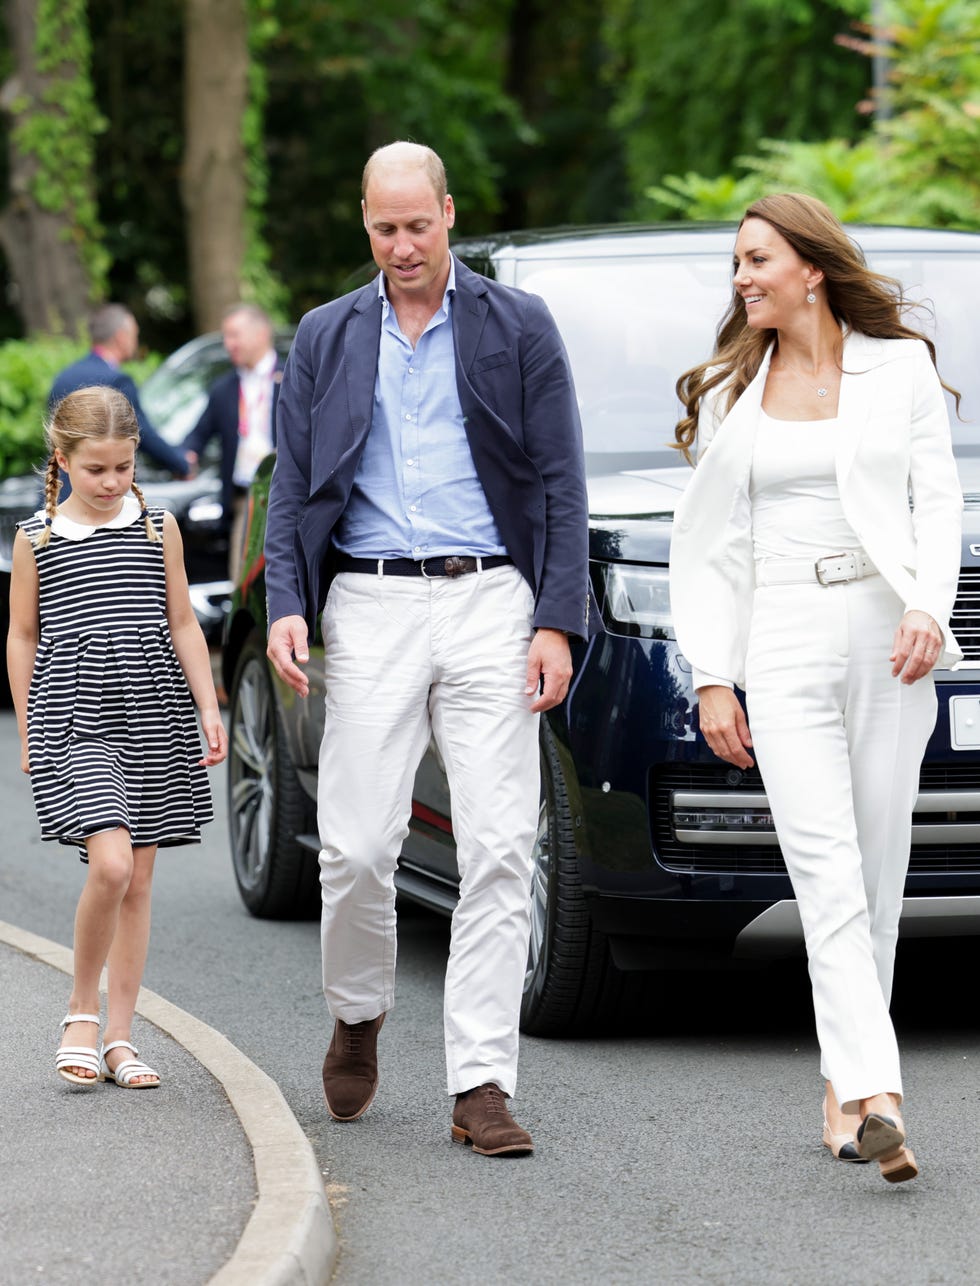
863 300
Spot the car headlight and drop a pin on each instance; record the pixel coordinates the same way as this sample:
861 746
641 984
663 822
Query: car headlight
636 601
205 511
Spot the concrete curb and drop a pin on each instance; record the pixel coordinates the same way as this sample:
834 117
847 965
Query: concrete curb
289 1239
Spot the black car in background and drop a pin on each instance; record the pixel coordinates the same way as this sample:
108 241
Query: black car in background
651 853
174 397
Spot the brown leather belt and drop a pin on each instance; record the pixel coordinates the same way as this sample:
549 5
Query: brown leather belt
453 565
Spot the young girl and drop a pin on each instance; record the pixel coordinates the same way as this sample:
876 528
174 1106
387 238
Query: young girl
102 648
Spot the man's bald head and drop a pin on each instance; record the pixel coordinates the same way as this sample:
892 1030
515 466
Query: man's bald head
406 158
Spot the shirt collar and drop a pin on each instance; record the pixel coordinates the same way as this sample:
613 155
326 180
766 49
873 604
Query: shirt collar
72 530
262 368
449 292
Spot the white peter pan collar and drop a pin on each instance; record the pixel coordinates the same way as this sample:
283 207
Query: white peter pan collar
71 530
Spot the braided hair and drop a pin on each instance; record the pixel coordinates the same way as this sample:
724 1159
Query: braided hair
95 414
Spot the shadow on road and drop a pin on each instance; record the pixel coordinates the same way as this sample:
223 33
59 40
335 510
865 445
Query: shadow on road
753 1000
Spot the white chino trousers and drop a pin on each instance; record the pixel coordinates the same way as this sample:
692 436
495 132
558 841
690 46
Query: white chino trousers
408 659
839 743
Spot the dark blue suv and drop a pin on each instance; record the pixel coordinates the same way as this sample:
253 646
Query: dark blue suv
651 853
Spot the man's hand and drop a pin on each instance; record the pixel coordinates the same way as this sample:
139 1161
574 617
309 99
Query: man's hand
549 669
289 638
723 723
918 646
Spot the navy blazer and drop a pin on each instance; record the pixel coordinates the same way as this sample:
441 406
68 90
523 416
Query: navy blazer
220 419
521 418
93 369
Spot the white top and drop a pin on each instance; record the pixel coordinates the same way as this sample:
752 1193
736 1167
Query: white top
796 507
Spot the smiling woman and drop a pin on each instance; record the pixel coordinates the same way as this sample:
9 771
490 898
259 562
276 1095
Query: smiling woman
799 574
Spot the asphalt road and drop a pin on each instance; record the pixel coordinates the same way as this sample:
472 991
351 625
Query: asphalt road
685 1150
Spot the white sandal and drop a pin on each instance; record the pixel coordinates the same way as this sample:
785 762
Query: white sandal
128 1070
69 1056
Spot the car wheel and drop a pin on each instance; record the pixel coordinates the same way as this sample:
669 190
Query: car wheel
277 876
571 982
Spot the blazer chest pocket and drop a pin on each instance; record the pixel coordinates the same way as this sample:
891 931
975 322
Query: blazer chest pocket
492 359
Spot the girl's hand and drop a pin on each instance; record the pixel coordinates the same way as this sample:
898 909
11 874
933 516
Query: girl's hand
918 646
216 737
723 723
25 763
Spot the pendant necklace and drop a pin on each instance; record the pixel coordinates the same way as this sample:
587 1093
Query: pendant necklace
820 391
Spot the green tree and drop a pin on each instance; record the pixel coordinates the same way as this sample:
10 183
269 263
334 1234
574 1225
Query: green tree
699 81
916 165
50 228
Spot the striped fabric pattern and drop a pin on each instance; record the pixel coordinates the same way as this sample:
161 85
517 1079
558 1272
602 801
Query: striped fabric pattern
112 730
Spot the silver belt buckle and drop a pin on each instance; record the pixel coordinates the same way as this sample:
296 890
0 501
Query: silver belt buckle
846 570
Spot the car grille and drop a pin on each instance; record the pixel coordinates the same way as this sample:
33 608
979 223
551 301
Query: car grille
965 619
742 856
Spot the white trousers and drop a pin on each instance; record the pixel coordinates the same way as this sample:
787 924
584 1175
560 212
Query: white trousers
839 743
406 659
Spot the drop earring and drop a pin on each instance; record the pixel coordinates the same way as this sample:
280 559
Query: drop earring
811 298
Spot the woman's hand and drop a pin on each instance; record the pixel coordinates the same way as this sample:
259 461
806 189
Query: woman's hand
25 760
918 646
723 723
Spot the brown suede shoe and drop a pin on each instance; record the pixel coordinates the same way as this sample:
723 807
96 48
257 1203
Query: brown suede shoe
350 1069
481 1117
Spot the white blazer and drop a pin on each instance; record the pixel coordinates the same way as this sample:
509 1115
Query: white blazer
894 446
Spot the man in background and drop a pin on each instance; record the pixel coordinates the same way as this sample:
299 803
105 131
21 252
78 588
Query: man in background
115 336
241 413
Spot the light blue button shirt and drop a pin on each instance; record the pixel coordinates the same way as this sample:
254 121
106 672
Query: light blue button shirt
416 492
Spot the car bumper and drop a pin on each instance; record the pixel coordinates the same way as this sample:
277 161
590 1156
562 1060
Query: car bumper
677 848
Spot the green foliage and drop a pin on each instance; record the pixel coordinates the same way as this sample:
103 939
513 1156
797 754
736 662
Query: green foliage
695 196
27 370
917 166
697 82
931 138
260 283
58 131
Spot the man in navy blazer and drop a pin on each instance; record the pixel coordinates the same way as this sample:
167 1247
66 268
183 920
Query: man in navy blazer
115 336
428 496
241 414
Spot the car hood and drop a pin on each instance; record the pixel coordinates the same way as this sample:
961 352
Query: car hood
630 513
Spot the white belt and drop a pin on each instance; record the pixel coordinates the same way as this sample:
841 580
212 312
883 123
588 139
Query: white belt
831 569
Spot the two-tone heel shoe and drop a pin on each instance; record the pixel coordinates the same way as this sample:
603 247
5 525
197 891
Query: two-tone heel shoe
842 1146
882 1139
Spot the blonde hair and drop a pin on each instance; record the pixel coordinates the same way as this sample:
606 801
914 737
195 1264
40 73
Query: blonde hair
95 414
863 300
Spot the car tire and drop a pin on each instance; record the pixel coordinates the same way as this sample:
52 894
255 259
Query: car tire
277 876
571 985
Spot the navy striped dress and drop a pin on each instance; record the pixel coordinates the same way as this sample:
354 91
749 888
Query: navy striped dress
112 730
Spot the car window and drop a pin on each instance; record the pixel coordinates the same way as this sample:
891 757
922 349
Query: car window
175 395
633 325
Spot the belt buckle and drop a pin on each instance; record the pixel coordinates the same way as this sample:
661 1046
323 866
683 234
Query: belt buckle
458 565
827 578
453 566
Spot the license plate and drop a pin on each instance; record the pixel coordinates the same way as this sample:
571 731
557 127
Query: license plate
964 723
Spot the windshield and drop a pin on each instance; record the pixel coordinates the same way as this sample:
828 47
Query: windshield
633 325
